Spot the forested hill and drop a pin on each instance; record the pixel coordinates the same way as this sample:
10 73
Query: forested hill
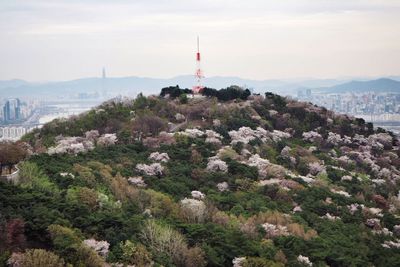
227 179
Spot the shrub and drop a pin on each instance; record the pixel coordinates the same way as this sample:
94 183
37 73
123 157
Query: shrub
36 258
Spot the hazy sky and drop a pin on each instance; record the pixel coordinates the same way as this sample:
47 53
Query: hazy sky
260 39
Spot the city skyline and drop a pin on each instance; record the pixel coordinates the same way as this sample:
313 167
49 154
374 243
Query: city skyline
62 40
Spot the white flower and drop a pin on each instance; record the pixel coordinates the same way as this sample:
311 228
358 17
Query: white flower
378 181
273 230
193 133
354 207
304 260
373 222
107 140
331 217
384 231
312 148
285 152
272 112
223 186
384 139
65 174
180 117
266 168
216 122
346 178
391 244
238 262
153 169
270 182
316 168
197 195
160 157
340 192
71 145
279 135
334 139
297 209
101 247
137 181
344 160
374 211
92 135
242 135
311 136
215 164
213 137
193 209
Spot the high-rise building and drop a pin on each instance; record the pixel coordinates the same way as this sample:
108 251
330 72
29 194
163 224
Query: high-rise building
12 110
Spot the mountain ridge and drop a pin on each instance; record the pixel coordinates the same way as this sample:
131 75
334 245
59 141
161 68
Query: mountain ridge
133 85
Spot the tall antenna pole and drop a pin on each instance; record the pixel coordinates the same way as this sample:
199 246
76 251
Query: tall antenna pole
199 73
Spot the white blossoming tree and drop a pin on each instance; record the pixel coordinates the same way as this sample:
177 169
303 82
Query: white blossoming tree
154 169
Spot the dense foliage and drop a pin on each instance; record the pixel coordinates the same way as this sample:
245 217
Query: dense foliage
254 181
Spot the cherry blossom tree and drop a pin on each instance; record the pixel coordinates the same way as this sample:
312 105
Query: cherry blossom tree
101 247
154 169
160 157
215 164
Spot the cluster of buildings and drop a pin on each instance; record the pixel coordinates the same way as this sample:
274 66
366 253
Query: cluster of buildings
382 109
376 104
13 133
14 111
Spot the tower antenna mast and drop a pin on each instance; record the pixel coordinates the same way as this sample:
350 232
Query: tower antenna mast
199 73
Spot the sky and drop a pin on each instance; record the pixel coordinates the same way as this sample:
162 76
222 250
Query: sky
44 40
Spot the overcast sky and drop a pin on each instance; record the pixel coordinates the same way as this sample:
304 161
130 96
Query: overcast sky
260 39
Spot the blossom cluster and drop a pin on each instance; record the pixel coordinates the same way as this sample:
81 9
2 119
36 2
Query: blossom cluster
312 136
272 230
154 169
137 181
316 168
341 192
223 186
238 261
197 195
107 140
160 157
285 153
101 247
331 217
213 137
304 260
193 133
265 167
215 164
194 209
246 134
71 145
391 244
77 144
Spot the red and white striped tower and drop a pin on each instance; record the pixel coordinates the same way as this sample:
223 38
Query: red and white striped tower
199 73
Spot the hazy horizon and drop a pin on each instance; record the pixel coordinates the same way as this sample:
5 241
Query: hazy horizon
45 40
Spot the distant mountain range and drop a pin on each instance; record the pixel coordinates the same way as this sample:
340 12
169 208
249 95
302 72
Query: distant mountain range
131 86
376 86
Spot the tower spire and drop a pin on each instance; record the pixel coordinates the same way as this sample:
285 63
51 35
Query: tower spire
199 73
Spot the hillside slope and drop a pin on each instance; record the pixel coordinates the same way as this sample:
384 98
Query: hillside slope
258 181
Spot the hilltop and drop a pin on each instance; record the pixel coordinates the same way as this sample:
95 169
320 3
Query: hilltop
226 179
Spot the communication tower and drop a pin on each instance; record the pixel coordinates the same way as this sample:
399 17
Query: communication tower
199 73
